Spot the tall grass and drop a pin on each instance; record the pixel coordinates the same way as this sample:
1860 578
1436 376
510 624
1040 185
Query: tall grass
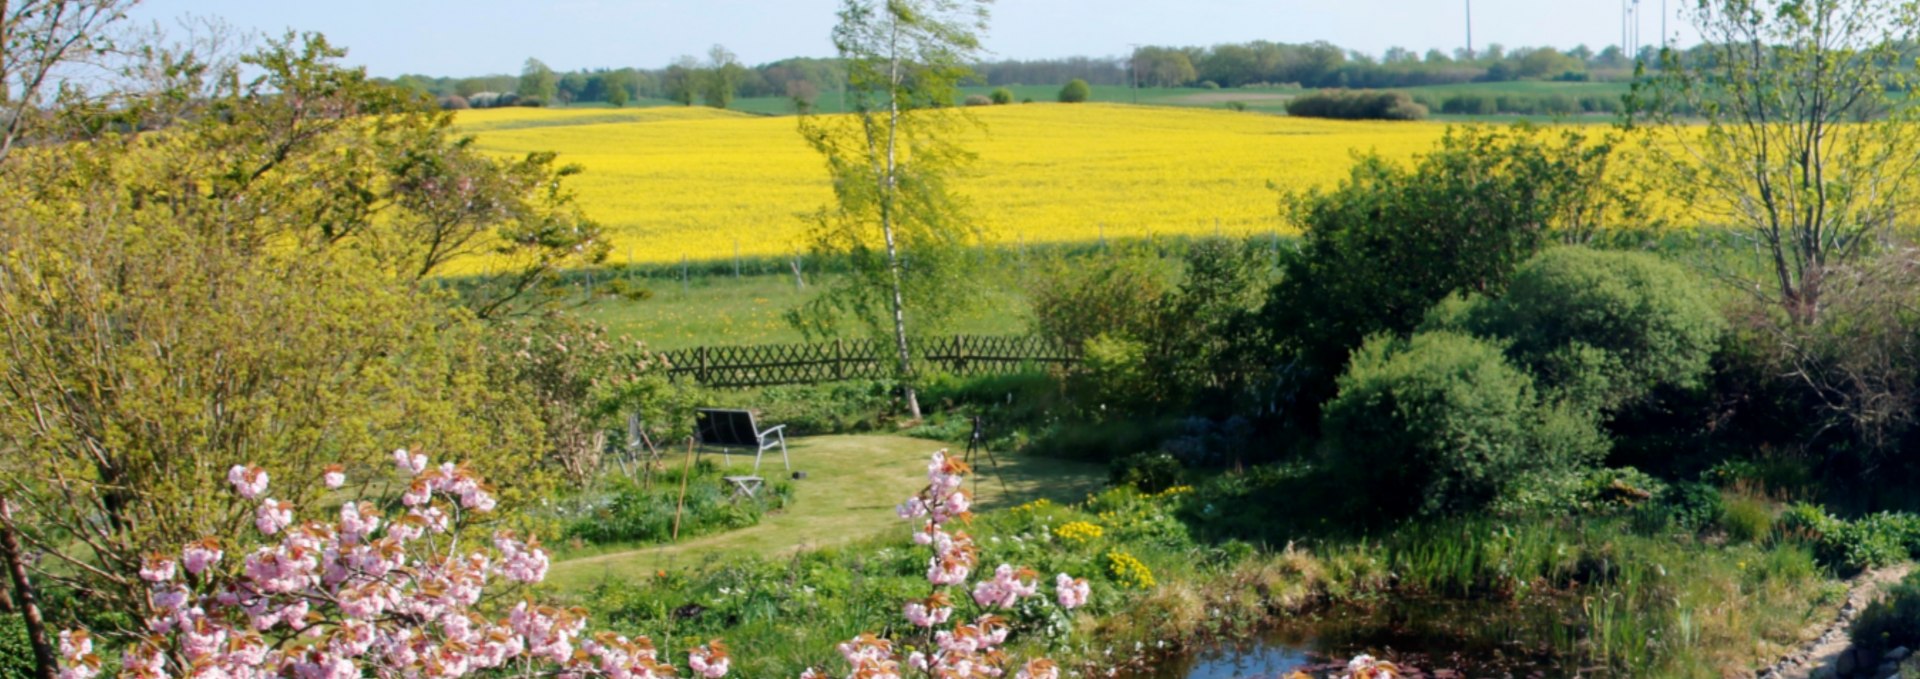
1643 605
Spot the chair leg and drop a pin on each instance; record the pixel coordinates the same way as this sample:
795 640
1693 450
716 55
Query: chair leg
783 453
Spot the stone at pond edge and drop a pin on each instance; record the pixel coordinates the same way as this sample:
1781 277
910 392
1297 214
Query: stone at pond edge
1897 654
1886 671
1823 672
1846 663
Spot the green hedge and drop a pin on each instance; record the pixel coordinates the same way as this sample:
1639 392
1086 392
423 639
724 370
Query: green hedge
1441 423
1356 105
1601 328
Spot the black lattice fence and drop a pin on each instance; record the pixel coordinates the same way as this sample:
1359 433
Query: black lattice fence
765 365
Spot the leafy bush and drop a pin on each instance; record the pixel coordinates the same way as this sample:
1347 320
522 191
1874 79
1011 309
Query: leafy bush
1236 105
1891 621
1115 371
1356 105
1442 423
1149 472
636 513
1469 105
1603 329
1154 329
1746 518
1205 442
1391 241
1871 541
16 654
977 100
1075 91
1075 300
1001 95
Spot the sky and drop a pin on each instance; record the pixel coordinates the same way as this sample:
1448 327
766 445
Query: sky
476 37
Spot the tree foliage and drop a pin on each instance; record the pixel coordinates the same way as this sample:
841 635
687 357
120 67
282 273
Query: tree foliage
257 283
1806 146
894 218
721 77
538 83
1603 329
1442 423
1460 219
1075 91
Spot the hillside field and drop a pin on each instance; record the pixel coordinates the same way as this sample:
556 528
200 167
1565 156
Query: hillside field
702 184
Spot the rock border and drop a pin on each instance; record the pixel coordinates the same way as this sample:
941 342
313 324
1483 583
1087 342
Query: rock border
1834 646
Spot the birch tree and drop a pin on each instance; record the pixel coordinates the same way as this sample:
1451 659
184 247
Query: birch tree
895 219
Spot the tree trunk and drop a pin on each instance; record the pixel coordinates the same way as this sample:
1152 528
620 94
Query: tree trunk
45 663
889 184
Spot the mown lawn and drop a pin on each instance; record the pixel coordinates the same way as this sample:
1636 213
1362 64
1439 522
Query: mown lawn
852 486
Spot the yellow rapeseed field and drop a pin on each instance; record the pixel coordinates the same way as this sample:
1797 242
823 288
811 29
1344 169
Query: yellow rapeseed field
699 183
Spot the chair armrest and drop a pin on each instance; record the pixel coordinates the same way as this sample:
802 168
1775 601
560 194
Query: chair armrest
775 429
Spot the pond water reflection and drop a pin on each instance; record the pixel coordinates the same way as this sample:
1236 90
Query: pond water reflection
1437 638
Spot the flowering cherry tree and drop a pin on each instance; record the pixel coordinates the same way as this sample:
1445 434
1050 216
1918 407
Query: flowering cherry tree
367 594
969 649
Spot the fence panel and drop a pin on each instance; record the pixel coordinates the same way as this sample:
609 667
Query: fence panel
765 365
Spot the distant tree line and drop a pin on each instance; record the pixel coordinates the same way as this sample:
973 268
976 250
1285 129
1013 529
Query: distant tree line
720 77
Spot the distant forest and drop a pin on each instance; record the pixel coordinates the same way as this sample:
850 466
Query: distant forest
719 77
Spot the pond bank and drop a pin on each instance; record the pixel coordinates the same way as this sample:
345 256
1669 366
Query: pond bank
1834 640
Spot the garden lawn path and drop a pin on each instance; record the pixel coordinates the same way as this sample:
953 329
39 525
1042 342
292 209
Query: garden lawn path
853 484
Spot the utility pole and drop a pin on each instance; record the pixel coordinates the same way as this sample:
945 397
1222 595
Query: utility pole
1469 30
1133 70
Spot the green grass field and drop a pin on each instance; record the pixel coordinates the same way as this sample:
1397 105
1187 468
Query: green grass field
852 486
750 309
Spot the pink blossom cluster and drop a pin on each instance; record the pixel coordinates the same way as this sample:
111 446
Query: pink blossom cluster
395 596
365 595
970 648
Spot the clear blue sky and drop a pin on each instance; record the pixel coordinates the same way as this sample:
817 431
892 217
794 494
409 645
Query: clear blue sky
474 37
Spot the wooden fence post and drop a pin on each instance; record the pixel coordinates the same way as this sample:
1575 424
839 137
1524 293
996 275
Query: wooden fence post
839 361
701 373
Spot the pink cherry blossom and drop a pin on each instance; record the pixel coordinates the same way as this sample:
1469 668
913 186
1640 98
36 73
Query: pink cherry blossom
1072 592
410 463
709 661
157 568
249 481
335 476
200 555
272 516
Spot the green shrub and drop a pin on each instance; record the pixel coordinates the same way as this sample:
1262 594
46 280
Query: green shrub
1391 241
1849 547
977 100
1442 423
1892 621
1603 329
636 513
1468 105
1356 105
1148 472
16 654
1115 372
1236 105
1076 91
1746 518
1001 95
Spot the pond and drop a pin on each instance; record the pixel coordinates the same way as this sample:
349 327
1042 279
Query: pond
1438 638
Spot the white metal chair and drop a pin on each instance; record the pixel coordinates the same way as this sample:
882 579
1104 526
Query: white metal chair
729 429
